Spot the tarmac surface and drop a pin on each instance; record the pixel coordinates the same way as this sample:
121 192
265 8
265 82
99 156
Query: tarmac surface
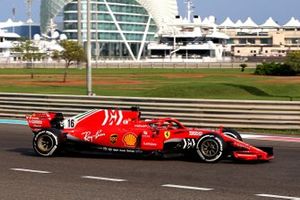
23 175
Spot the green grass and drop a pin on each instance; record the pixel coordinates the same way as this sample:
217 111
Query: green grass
175 83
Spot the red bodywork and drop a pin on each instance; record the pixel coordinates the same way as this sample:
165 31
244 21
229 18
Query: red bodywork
123 129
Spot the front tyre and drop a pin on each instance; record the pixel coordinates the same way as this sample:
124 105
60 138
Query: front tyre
232 133
211 148
47 142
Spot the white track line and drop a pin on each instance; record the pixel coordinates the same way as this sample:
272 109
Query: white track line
104 178
187 187
278 196
30 170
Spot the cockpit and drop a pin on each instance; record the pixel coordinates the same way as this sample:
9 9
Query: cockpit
165 124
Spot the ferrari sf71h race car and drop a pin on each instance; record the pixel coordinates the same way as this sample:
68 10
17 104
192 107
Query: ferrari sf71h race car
123 131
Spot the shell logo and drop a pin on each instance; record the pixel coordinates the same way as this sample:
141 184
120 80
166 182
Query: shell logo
130 140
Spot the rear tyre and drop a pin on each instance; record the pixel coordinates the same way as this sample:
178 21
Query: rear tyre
232 133
211 148
47 142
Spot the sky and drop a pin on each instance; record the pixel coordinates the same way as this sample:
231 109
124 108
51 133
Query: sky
258 10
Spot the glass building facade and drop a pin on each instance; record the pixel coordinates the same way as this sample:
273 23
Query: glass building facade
24 30
120 29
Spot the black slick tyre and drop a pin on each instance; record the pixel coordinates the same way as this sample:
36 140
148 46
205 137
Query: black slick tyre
232 133
210 148
47 142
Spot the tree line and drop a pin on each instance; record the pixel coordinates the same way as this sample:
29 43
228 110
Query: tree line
72 52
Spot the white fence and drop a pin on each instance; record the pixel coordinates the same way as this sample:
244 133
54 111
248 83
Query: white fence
191 112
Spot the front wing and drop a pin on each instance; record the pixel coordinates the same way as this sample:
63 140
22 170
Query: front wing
247 152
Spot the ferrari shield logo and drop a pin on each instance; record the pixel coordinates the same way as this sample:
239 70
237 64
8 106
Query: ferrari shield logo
167 134
113 138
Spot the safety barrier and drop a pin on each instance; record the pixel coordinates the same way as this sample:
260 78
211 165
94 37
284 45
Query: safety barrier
191 112
135 65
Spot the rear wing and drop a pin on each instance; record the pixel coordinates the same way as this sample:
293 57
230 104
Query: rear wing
38 121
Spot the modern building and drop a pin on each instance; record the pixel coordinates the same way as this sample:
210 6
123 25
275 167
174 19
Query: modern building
120 28
248 39
24 30
12 33
124 29
181 39
206 41
7 42
190 40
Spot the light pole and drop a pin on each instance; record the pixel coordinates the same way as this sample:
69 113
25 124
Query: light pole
88 49
29 21
79 22
14 18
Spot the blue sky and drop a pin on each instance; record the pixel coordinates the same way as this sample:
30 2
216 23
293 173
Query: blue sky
259 10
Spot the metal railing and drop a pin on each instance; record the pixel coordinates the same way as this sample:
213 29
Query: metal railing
134 65
191 112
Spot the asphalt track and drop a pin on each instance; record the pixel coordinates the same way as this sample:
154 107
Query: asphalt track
23 175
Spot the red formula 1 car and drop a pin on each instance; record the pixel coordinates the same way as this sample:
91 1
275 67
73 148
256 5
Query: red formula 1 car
123 131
